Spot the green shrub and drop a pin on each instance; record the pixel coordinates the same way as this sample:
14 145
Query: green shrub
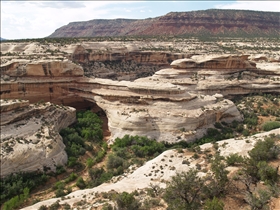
232 159
214 204
14 184
59 192
90 162
245 132
43 207
81 183
271 125
71 177
264 150
114 161
54 206
17 200
126 201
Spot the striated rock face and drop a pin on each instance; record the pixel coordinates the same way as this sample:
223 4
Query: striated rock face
213 21
44 68
166 119
29 136
214 62
122 61
174 104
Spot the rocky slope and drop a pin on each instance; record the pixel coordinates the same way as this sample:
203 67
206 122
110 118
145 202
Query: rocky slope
158 172
213 21
29 136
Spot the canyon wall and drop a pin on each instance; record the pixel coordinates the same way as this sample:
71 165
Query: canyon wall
174 104
30 139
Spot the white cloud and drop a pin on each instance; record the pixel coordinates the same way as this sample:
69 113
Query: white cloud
273 6
29 19
37 19
61 4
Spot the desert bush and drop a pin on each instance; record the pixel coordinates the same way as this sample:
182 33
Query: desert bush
107 206
54 206
232 159
114 161
59 193
43 207
271 125
258 200
81 183
126 201
191 185
264 150
214 204
71 177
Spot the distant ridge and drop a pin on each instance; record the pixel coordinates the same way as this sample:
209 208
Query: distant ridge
2 39
202 22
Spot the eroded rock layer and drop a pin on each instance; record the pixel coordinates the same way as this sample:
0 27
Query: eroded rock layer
176 103
29 136
212 21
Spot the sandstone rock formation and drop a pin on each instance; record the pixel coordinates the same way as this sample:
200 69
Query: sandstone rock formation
213 21
130 59
214 62
49 68
159 111
174 104
29 136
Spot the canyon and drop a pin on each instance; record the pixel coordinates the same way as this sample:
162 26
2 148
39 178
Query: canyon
168 91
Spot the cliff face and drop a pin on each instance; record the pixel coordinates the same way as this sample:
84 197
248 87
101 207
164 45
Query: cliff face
188 91
29 136
215 22
175 103
49 68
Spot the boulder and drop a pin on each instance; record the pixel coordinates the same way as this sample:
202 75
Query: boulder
30 139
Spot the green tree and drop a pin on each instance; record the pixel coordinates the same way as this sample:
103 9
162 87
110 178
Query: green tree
81 183
114 161
214 204
219 179
258 200
126 201
271 125
233 159
184 191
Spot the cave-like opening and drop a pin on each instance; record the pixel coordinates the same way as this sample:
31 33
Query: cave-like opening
83 104
102 115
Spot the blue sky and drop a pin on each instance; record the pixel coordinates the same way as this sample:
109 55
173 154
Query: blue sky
38 19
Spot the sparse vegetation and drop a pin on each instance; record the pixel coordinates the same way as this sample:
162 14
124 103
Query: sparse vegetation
83 141
187 190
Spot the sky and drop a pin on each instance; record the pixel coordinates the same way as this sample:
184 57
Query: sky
38 19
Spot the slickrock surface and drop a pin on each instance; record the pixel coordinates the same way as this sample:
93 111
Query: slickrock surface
158 171
29 136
